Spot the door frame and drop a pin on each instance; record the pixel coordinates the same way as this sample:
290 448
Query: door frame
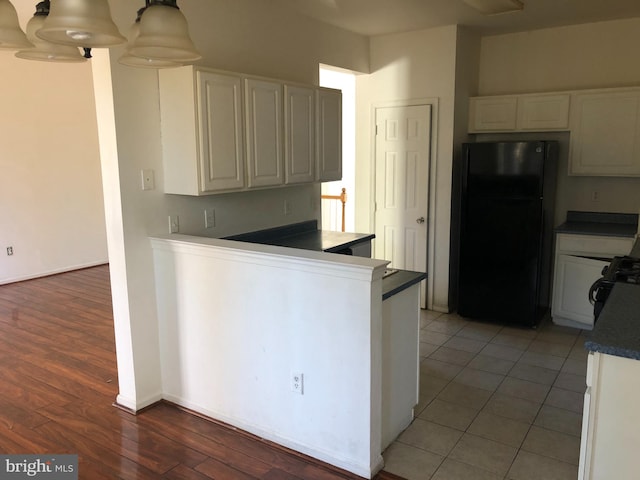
432 170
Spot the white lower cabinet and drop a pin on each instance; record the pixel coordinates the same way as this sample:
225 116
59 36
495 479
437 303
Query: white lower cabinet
579 262
573 277
610 433
225 132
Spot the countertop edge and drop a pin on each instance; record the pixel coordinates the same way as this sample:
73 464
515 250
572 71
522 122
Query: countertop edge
399 281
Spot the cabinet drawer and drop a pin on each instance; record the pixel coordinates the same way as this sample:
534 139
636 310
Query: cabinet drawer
593 244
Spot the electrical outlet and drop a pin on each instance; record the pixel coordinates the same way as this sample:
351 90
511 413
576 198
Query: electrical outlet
297 383
287 207
9 251
209 217
148 180
595 196
174 224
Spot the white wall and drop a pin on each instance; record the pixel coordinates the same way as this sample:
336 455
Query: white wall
594 55
249 36
51 209
407 66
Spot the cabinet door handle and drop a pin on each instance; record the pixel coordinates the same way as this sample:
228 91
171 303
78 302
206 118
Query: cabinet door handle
420 220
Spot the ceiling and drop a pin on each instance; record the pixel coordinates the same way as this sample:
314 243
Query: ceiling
377 17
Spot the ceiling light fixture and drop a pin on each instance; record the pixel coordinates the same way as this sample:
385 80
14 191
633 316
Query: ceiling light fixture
495 7
11 35
164 34
81 23
43 50
133 61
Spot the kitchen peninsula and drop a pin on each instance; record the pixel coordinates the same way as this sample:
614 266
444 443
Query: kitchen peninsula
240 321
610 421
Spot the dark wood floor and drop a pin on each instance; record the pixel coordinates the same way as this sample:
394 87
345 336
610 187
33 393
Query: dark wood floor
58 381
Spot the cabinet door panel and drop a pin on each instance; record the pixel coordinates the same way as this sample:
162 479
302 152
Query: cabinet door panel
573 278
329 135
605 134
543 112
300 147
264 133
492 114
221 132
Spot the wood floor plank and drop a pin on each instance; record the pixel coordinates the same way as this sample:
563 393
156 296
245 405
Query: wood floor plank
58 380
182 472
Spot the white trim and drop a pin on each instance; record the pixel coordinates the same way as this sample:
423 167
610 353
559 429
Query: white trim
54 272
433 102
357 268
136 406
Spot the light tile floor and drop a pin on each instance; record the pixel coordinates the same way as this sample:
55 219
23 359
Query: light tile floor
496 402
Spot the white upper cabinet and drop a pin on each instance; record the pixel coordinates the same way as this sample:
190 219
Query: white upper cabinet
518 113
605 134
543 112
329 135
263 100
492 114
226 132
299 134
202 131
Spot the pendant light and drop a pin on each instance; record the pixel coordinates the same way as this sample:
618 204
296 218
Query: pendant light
164 34
11 35
133 61
81 23
43 50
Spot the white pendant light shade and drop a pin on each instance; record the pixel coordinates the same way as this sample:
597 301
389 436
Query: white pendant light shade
133 61
46 51
11 35
495 7
164 35
81 23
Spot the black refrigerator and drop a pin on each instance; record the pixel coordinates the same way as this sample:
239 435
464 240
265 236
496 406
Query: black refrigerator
506 222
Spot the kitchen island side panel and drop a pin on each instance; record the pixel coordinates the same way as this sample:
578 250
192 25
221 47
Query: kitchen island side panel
236 325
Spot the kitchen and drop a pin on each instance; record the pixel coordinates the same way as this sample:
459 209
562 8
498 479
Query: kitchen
435 69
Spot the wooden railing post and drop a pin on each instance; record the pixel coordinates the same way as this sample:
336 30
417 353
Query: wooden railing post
343 198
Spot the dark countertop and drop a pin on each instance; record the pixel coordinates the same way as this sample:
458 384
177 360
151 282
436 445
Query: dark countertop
399 281
597 223
306 236
617 331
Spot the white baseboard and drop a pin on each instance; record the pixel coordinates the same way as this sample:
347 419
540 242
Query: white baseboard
71 268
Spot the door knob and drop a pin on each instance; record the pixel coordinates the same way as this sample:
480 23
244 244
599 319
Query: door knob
420 220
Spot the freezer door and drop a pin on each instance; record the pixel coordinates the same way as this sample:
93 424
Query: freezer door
508 169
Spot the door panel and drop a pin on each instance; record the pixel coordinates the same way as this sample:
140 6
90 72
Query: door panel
402 179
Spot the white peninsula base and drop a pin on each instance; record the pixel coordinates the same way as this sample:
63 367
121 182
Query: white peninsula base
238 321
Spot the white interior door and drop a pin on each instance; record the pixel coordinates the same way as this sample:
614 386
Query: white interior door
403 144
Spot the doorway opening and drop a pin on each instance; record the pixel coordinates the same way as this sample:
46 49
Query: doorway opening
345 80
